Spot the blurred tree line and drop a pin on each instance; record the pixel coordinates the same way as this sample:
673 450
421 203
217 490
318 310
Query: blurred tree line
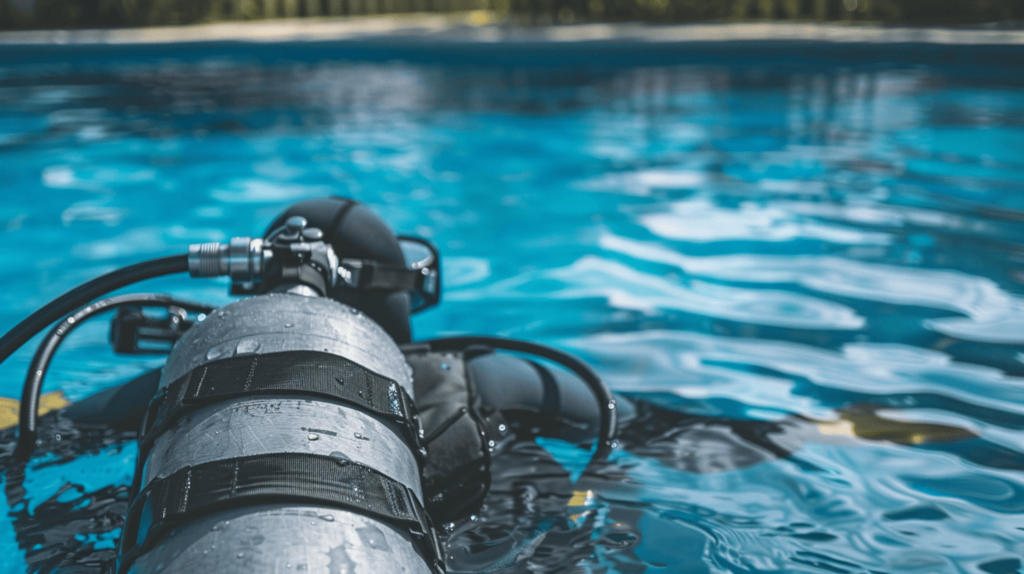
48 14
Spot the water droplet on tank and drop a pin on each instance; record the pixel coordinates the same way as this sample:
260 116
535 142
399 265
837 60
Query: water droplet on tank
287 325
247 347
313 436
240 555
214 353
220 313
288 565
329 518
611 405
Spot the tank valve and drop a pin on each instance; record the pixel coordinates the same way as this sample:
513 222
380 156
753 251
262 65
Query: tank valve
293 253
243 259
296 255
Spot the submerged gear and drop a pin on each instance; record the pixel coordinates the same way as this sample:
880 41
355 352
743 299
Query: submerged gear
290 427
121 339
461 433
274 407
385 276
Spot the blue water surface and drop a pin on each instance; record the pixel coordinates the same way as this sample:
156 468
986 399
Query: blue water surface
803 262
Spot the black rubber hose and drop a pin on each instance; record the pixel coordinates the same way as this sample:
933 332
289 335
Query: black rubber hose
601 392
28 420
83 294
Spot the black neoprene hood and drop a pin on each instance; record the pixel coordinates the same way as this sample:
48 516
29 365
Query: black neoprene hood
356 232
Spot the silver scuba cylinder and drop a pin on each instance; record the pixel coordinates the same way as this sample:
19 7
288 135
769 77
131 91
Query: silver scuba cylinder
284 433
295 532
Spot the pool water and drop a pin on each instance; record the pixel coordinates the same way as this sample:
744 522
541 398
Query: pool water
804 263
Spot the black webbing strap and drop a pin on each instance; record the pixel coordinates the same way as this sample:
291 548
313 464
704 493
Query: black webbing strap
378 276
281 477
307 372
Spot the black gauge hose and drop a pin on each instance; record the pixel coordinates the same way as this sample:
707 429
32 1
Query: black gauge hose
28 419
83 294
62 306
601 392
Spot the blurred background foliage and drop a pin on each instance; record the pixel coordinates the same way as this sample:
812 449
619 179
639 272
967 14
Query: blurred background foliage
48 14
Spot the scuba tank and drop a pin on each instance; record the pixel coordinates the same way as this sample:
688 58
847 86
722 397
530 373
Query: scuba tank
299 428
284 432
265 449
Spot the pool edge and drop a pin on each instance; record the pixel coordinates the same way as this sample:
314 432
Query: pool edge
477 27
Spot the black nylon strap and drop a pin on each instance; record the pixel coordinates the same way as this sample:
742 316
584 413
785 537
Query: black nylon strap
379 276
309 372
200 489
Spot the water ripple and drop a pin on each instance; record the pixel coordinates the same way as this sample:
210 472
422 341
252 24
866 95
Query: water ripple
677 361
993 315
804 274
699 220
626 288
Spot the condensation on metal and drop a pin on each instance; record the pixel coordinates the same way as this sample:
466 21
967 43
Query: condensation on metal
275 424
284 322
283 538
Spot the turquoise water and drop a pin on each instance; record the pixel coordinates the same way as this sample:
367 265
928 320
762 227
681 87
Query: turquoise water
803 262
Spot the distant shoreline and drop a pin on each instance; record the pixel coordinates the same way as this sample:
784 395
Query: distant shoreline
477 27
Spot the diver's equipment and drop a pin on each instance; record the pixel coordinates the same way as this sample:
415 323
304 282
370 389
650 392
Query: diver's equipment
420 276
292 257
460 431
605 400
177 322
297 253
357 234
291 254
302 256
83 294
296 404
284 429
540 400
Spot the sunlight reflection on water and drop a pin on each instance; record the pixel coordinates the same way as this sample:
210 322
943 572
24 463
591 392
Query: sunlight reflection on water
806 273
